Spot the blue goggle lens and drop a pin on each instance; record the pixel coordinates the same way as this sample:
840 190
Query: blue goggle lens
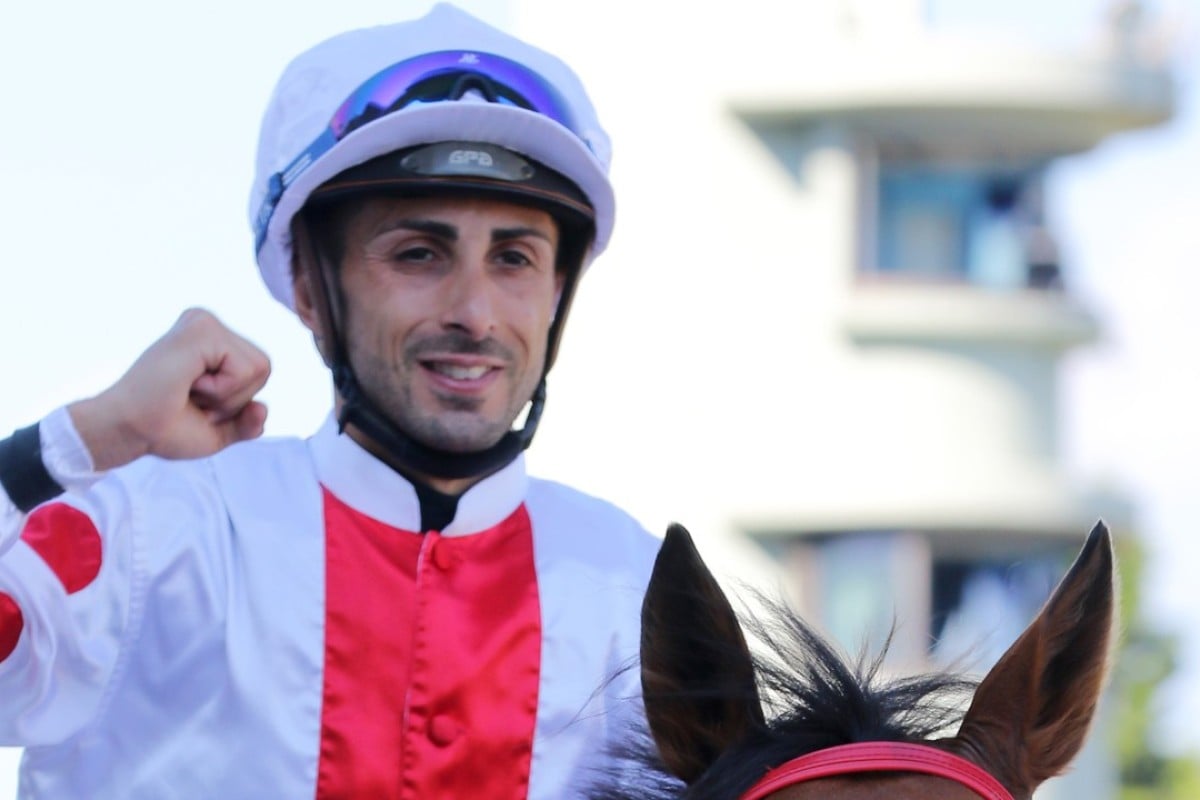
427 78
448 75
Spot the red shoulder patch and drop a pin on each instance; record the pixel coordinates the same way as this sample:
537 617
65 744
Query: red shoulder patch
67 540
12 621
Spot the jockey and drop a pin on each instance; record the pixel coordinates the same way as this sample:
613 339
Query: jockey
392 607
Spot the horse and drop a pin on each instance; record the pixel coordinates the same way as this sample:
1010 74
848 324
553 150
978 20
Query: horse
839 731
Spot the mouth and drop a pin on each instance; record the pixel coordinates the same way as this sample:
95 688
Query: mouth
458 372
460 375
457 368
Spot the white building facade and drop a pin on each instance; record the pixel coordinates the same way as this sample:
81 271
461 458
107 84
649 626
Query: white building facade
834 313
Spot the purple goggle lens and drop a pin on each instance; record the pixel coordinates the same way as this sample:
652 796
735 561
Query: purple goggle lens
447 75
427 78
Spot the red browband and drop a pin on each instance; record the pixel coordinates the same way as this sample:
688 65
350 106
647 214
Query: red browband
847 759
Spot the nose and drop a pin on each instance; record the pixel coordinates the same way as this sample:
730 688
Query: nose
470 303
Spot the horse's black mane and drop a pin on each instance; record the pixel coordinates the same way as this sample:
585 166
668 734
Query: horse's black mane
814 699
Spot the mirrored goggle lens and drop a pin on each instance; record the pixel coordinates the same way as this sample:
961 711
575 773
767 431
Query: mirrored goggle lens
428 78
448 75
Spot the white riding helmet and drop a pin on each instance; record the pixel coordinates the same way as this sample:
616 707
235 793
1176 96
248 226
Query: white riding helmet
374 91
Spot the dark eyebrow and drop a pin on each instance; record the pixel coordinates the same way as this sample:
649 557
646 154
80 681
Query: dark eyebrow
506 234
450 233
439 229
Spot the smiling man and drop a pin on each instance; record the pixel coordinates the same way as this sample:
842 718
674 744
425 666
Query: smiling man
391 608
452 304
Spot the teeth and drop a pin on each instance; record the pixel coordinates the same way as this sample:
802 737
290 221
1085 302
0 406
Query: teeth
459 373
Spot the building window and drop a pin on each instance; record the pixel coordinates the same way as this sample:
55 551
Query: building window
981 607
871 587
960 612
960 224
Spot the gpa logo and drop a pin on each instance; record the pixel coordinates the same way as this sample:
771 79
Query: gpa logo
469 157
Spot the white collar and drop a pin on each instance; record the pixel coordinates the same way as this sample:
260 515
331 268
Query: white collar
370 486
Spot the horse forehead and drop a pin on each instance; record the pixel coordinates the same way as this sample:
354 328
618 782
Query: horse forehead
876 786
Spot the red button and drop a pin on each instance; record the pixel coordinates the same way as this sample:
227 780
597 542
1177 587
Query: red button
443 555
443 730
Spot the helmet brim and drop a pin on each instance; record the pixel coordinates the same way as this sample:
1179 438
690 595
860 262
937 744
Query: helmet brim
525 132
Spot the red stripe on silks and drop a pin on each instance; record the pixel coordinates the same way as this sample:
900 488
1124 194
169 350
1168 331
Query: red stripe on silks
432 661
12 621
370 572
476 665
67 541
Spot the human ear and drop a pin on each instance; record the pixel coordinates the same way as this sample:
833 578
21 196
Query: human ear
304 297
560 280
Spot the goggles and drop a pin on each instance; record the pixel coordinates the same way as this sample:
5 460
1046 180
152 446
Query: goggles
427 78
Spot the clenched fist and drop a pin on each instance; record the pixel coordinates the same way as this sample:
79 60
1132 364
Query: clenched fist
189 395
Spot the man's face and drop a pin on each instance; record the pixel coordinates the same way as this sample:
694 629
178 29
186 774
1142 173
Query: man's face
449 303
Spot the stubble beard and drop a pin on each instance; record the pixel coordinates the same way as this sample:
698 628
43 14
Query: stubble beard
455 424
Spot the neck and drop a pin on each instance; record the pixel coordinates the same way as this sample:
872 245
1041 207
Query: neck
447 486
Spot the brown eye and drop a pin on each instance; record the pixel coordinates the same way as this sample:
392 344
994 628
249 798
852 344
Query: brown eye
514 258
414 254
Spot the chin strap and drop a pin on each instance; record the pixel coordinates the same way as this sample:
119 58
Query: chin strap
408 454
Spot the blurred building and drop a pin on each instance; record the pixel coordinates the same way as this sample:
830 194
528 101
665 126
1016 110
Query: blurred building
841 310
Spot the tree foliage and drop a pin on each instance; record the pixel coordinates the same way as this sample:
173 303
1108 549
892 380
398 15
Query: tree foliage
1148 656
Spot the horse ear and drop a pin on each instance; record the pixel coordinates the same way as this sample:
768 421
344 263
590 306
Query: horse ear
1031 713
697 674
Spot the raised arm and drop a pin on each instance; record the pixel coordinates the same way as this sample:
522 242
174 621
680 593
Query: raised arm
189 395
68 569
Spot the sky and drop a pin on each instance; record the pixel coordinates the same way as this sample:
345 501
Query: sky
1128 216
125 156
